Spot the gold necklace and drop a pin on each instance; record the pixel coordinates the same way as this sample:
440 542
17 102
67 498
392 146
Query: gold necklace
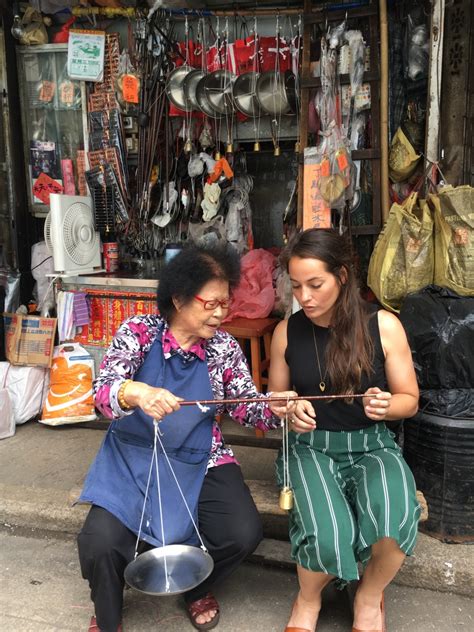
322 383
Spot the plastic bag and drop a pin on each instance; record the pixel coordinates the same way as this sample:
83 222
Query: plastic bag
254 297
70 398
403 258
454 402
440 330
7 421
454 238
27 386
402 159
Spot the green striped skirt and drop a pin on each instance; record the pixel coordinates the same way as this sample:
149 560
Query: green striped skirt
350 490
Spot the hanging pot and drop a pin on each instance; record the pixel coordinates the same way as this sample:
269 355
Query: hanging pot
218 89
244 92
174 87
276 92
189 87
202 100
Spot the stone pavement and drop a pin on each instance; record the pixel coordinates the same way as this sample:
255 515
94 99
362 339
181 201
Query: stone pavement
42 470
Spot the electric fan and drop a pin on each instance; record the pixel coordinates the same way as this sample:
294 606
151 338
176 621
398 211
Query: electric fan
71 237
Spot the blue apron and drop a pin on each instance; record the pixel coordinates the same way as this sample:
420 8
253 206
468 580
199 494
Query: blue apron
118 477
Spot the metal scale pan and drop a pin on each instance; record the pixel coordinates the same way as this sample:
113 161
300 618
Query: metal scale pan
186 567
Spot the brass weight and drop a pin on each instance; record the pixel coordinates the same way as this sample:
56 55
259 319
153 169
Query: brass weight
286 499
277 151
256 146
217 155
229 148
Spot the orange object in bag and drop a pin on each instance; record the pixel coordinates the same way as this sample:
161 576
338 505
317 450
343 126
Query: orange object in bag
69 397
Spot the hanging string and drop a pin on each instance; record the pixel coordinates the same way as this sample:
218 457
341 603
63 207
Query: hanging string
285 450
180 490
155 459
146 495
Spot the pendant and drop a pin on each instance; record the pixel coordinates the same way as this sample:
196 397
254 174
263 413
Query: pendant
322 386
286 499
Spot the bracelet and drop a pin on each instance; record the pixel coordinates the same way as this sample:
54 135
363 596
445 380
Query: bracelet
120 395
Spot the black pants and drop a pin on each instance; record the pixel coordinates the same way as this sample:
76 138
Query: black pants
229 525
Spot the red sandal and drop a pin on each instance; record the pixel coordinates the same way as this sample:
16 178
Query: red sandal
201 606
93 627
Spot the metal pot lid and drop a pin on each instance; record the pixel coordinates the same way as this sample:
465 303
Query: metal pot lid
244 92
186 567
272 94
218 89
189 87
174 87
201 98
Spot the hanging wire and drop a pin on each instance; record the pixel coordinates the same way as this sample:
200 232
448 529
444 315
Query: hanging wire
179 488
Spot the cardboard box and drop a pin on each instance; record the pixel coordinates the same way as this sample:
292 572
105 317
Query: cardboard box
29 340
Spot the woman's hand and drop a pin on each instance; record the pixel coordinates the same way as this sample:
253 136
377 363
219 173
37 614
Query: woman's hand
156 402
284 407
377 403
303 418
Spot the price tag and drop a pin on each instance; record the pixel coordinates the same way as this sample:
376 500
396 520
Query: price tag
130 88
66 93
47 91
325 167
342 159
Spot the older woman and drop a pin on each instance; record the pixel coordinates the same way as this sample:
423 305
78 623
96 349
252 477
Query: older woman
355 497
153 363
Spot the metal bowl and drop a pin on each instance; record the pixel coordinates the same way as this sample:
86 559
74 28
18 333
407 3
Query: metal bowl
174 87
218 89
274 92
187 567
202 100
189 86
244 92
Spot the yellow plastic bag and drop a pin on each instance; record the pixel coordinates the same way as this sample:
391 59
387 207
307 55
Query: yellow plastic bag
402 159
454 238
403 258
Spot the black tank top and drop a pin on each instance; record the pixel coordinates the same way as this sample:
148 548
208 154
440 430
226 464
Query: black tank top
300 355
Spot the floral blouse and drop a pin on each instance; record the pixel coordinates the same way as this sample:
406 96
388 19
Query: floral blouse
228 373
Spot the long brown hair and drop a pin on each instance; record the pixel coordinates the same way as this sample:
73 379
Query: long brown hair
350 349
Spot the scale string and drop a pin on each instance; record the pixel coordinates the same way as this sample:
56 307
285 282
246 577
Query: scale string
146 498
155 459
182 496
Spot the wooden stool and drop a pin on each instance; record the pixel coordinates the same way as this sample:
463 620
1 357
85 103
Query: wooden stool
255 329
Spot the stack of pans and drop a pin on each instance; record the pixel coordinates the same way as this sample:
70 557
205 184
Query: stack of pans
221 93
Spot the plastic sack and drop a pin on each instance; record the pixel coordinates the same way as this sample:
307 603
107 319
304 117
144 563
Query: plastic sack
254 297
70 398
453 402
7 421
454 238
402 159
440 330
403 257
27 386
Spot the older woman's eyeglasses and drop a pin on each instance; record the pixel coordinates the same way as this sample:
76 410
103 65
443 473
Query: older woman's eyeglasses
213 303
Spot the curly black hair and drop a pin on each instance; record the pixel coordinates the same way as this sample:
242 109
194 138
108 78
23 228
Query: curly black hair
193 267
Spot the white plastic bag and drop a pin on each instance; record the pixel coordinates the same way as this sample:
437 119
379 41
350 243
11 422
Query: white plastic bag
7 421
27 386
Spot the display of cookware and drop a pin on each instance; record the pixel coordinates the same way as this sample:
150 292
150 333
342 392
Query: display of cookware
189 86
276 92
218 89
244 92
174 87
